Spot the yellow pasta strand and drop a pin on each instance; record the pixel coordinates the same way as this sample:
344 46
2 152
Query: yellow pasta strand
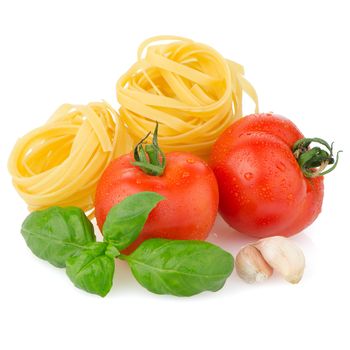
188 87
60 162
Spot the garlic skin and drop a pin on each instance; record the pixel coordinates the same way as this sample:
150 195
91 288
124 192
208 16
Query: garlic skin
251 266
284 256
256 262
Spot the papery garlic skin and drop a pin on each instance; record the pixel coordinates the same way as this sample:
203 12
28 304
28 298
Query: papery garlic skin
284 256
251 266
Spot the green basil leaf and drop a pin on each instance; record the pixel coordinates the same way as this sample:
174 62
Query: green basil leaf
55 234
92 270
126 219
180 267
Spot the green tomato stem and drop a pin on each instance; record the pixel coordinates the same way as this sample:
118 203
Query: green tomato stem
150 158
314 161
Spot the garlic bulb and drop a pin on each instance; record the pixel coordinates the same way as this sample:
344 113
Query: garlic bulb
257 261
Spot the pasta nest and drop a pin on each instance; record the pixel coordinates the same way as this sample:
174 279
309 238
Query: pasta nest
60 162
188 88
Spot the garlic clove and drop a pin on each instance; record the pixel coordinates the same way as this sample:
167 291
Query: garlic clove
251 266
284 256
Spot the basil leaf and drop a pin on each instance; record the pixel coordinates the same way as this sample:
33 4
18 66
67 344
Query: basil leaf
92 270
180 267
55 234
126 219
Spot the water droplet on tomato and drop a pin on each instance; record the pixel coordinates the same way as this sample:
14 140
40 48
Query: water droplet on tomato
185 174
248 176
190 160
158 186
281 166
138 181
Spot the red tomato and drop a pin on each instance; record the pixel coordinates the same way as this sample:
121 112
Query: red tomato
263 191
188 184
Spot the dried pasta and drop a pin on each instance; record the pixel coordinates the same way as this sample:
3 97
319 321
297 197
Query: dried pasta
60 162
188 87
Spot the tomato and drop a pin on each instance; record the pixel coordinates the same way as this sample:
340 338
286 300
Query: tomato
263 189
187 183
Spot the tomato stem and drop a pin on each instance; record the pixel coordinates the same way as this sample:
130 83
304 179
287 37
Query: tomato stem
314 161
150 158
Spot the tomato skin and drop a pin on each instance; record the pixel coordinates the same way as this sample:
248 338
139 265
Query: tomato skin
263 191
188 184
269 123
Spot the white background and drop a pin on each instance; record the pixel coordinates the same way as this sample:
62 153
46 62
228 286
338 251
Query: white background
295 54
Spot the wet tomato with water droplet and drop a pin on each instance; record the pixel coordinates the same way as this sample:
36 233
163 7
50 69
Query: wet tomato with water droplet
188 184
263 191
